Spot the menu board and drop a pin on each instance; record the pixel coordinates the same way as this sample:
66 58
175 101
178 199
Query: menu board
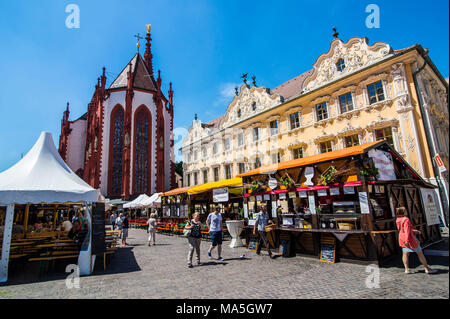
364 203
322 192
302 194
312 204
253 243
259 198
334 191
349 190
292 195
245 210
282 196
266 197
328 252
274 209
98 228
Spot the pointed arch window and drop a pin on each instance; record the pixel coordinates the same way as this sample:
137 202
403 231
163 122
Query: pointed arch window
142 152
116 151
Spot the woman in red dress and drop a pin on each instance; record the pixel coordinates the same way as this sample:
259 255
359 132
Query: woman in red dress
408 241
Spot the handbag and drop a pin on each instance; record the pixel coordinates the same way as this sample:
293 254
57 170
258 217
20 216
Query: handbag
187 232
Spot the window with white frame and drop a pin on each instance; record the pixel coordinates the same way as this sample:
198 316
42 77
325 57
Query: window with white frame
276 158
340 64
297 153
188 180
274 127
195 178
321 111
227 144
205 176
240 139
385 134
346 102
228 171
257 162
216 174
255 134
241 168
295 120
376 92
351 140
326 147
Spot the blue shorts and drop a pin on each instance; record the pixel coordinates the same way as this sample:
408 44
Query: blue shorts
409 250
216 238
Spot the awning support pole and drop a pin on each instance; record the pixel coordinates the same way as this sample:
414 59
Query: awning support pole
7 233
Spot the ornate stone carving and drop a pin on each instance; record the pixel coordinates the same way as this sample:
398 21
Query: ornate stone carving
356 54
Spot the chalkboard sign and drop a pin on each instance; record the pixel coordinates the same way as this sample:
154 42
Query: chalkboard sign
98 228
285 248
253 243
328 252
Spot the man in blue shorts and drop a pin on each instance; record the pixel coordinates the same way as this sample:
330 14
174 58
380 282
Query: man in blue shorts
214 223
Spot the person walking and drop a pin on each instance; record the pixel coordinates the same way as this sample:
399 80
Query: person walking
125 225
195 238
151 229
112 219
408 241
214 223
262 219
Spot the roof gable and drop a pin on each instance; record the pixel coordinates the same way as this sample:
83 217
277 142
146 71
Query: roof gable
141 77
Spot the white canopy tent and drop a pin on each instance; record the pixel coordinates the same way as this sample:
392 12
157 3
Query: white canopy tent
42 176
153 201
136 203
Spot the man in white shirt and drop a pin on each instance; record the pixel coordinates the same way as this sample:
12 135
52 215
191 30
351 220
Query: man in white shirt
214 223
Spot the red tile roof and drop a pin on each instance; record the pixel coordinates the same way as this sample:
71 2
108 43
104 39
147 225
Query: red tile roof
292 87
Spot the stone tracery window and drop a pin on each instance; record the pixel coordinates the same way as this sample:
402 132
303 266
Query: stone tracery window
117 119
141 150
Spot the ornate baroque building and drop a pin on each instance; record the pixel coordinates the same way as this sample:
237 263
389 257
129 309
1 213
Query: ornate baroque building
123 144
354 94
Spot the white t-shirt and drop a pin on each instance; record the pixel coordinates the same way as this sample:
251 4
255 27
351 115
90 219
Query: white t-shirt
215 222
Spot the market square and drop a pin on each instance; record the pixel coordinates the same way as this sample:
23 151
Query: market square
161 153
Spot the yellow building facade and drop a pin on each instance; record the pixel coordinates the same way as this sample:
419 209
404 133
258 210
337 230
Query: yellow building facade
354 94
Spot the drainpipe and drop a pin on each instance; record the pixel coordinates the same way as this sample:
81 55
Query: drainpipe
424 115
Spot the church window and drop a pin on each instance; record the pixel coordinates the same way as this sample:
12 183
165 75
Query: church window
117 151
141 150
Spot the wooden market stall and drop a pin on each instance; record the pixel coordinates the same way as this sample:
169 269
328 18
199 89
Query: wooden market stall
226 194
340 205
174 204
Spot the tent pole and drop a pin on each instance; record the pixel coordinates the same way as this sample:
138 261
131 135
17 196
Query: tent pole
25 222
6 243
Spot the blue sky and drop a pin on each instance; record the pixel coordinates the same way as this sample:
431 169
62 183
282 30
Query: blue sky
202 46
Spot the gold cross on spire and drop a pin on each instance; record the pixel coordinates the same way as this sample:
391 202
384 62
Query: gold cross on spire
138 45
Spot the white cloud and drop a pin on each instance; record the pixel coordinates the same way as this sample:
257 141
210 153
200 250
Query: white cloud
226 94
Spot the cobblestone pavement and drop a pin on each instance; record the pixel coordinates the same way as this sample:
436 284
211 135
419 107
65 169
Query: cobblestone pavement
138 271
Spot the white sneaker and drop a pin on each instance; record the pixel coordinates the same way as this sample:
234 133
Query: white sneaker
408 272
431 271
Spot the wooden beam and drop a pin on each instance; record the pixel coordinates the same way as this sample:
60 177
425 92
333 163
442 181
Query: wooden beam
25 222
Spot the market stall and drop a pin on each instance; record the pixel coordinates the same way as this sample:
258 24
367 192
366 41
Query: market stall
339 205
174 204
41 189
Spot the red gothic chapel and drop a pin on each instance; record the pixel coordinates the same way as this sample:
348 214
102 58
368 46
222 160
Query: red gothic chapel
124 144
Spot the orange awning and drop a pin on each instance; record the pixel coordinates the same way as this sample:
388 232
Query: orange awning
346 152
176 191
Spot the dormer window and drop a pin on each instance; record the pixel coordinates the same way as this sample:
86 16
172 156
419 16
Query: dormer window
340 64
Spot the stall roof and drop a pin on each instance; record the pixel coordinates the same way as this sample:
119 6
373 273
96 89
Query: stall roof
177 191
233 182
42 176
346 152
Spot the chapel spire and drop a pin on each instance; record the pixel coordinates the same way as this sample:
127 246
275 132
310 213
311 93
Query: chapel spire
148 57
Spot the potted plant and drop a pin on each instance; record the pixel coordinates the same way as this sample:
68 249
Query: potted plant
286 182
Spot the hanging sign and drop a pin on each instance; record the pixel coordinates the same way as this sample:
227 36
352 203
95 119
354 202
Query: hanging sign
349 190
274 209
292 195
266 197
440 164
282 196
312 204
273 183
383 161
220 195
259 198
322 192
334 191
302 194
245 211
430 207
364 203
